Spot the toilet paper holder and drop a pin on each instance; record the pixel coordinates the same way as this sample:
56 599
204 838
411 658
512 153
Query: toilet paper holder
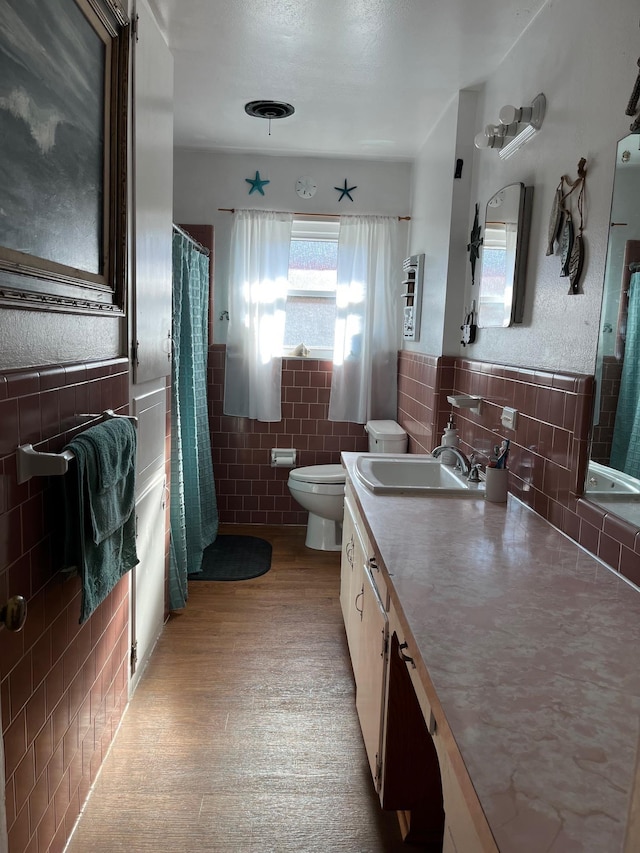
283 457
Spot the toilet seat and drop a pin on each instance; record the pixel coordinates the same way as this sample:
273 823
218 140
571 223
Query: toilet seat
319 474
318 479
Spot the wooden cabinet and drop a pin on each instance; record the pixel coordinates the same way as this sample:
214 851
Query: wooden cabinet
411 782
417 770
371 671
423 773
350 579
366 625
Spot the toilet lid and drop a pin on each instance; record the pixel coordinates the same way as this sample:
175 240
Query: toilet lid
385 430
319 474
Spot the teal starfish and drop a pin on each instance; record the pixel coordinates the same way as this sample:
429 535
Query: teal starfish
257 184
345 191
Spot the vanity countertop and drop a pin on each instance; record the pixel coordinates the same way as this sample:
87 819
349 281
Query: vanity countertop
533 648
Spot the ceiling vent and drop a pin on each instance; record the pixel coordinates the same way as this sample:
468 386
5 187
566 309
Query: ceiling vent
269 109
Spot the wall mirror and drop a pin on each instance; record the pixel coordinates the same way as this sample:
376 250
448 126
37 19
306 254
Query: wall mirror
504 257
613 475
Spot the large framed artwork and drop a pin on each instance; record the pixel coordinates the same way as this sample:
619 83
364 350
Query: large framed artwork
63 154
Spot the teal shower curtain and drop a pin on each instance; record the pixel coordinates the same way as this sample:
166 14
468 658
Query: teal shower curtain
194 513
625 447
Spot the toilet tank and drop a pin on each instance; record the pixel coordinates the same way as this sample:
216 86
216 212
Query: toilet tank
386 437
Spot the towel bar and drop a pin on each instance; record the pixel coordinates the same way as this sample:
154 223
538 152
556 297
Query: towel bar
33 463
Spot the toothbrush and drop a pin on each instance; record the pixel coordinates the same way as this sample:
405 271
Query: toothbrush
504 454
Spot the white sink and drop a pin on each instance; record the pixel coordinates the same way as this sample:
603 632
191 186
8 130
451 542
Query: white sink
412 474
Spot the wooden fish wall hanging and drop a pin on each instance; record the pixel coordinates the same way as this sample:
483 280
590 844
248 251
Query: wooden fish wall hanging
568 204
632 106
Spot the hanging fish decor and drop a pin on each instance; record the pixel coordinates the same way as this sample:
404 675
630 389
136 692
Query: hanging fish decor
632 106
562 229
576 263
566 243
555 220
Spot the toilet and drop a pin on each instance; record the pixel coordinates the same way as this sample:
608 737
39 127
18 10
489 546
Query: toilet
320 488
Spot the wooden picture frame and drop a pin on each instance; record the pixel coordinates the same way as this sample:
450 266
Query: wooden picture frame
63 155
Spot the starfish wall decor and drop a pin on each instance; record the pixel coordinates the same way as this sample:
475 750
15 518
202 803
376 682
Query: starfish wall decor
257 184
345 191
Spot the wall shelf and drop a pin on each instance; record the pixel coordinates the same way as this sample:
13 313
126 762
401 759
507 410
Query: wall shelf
413 268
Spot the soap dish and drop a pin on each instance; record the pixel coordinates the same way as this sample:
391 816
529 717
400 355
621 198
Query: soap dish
466 401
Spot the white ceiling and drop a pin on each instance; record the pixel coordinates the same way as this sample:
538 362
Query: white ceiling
367 78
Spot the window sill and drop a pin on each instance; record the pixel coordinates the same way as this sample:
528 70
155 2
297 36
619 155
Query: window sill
314 355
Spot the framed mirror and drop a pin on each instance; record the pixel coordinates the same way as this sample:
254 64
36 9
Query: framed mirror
613 475
504 257
63 156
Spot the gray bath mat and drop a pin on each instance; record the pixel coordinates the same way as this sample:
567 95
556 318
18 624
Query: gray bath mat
234 558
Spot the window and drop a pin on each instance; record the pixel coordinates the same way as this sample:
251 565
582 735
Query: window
311 297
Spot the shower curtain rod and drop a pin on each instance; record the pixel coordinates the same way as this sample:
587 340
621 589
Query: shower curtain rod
198 246
298 213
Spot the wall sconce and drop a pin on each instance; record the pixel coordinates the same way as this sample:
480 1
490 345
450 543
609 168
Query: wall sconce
516 127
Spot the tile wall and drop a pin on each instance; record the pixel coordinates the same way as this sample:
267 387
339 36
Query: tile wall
549 446
249 490
609 391
420 380
63 686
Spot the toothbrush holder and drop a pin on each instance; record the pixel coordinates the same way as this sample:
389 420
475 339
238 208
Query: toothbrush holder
495 485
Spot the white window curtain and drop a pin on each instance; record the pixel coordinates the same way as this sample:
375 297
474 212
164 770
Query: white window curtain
260 243
368 320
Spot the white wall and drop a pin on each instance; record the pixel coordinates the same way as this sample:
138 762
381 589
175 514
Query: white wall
582 54
205 181
31 338
440 204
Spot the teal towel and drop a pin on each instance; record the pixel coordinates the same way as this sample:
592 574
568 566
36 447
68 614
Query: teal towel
100 531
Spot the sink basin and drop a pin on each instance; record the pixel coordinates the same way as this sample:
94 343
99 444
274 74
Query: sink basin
412 474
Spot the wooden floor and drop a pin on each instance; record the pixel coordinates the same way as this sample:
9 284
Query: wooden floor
242 736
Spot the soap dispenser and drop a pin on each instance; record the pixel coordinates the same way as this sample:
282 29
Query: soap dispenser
449 439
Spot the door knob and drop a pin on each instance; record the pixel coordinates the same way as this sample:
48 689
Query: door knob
14 613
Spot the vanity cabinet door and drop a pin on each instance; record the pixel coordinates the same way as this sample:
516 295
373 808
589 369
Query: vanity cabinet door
411 781
371 671
347 583
423 773
366 625
351 581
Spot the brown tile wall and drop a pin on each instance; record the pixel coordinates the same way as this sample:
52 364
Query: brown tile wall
609 391
549 447
63 686
249 490
420 379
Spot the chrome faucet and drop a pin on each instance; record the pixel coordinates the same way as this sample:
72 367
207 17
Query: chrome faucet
463 463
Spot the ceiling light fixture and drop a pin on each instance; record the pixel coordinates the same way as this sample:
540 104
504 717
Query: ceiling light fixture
269 110
516 127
